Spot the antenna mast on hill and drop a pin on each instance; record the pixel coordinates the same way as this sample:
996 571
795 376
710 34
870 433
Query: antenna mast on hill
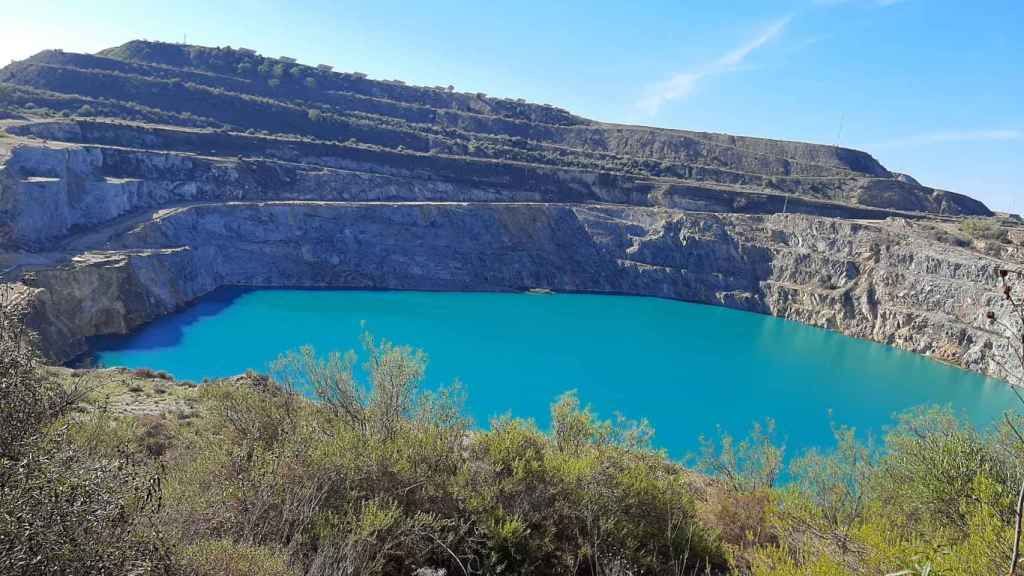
839 133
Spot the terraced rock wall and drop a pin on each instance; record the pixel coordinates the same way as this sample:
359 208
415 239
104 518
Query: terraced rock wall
134 181
878 281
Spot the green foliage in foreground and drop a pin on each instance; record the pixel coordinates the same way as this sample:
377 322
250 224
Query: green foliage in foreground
64 509
380 477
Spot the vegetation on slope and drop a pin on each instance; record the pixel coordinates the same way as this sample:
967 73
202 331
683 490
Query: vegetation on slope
239 91
65 508
377 476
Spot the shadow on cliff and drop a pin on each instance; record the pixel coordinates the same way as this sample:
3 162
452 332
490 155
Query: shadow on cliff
164 332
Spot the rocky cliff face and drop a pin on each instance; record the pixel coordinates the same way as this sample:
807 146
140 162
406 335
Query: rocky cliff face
881 281
108 223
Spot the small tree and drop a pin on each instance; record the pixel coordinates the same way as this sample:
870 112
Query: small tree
753 464
836 481
389 401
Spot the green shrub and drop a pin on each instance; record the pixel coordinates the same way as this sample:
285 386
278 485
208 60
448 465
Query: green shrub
377 475
836 481
753 464
70 503
30 398
102 435
929 472
572 499
381 477
982 229
778 561
63 512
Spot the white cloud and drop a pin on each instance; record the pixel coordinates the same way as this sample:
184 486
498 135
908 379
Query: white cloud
736 57
1000 135
682 84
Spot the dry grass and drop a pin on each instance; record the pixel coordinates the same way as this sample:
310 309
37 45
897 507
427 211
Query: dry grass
134 392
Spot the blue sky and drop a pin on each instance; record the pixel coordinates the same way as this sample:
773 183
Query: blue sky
929 87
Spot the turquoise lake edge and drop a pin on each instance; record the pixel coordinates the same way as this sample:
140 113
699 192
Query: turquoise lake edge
690 369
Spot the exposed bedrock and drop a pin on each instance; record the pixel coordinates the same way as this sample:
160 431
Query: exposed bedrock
50 193
878 281
136 180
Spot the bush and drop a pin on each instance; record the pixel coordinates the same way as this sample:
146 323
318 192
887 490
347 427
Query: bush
65 507
742 520
930 471
753 464
982 229
30 398
155 435
778 561
835 482
379 476
151 374
551 503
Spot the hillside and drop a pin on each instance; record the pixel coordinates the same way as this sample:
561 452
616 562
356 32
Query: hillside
191 236
238 103
136 180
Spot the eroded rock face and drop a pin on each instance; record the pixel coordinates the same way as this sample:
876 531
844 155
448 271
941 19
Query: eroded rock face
136 180
878 281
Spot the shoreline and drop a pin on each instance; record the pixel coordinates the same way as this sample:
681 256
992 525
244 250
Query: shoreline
226 295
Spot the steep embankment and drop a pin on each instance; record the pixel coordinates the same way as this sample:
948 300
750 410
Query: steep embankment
198 168
880 281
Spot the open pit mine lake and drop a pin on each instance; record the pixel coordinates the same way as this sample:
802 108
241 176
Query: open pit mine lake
689 369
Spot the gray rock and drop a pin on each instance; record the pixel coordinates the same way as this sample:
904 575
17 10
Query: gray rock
883 281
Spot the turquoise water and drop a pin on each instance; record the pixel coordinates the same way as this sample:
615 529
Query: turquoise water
687 368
